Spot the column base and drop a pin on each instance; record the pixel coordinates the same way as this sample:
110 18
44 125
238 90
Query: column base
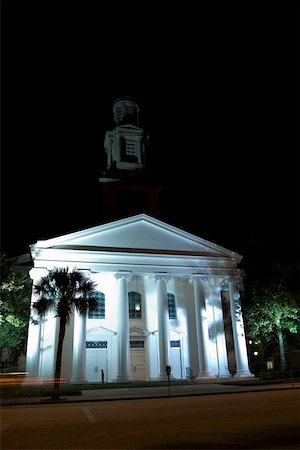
202 375
225 374
123 378
163 378
244 373
78 380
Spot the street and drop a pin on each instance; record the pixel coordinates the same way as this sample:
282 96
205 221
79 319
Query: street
254 420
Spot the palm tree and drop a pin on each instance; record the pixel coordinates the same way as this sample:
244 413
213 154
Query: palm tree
63 291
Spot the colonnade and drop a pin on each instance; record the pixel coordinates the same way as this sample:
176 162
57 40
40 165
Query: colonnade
203 287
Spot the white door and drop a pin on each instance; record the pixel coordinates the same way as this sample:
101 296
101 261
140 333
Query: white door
96 361
175 360
138 369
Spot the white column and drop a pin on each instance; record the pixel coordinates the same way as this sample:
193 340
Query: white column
163 324
201 327
222 357
118 148
34 330
79 349
240 348
109 152
123 328
139 144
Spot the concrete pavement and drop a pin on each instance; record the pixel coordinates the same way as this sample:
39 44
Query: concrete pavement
177 390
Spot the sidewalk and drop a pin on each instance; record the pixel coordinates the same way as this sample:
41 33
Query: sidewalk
151 390
178 390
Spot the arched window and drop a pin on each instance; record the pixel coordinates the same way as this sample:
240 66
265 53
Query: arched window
172 306
135 305
99 313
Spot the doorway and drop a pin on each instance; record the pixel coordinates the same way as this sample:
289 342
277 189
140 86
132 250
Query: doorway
175 359
138 367
96 361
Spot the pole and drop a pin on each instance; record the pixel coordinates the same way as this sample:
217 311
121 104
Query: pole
168 370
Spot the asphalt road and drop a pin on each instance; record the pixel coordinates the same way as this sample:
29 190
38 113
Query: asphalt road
252 420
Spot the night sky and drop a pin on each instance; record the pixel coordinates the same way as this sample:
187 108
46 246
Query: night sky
217 88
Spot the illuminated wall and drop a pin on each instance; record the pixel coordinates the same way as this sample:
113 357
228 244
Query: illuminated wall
151 248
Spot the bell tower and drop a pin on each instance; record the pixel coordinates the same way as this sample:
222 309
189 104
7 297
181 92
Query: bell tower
126 187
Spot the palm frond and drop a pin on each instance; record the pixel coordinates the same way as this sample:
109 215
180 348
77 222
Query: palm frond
62 289
84 306
43 305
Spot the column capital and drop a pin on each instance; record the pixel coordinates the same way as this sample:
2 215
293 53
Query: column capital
233 280
95 276
36 273
224 283
85 271
162 276
236 281
240 273
126 275
195 278
216 289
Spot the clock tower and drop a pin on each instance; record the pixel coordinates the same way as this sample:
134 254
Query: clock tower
126 187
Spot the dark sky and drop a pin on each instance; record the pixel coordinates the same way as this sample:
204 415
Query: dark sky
217 87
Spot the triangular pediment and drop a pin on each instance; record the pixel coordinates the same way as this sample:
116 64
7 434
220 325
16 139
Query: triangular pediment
135 331
140 233
101 330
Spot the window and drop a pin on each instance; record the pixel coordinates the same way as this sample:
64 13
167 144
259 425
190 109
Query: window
136 344
96 344
130 148
172 306
135 305
99 313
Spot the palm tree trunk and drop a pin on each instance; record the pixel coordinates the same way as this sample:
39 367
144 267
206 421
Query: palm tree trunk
281 350
62 330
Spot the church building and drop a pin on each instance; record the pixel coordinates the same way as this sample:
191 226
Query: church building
165 297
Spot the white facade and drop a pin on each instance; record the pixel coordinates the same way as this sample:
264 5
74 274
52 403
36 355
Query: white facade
178 289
